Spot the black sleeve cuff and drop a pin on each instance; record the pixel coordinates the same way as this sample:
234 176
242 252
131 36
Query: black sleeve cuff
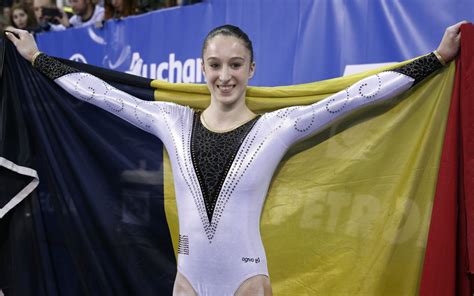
420 68
51 67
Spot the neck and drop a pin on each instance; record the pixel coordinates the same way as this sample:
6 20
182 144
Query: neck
220 117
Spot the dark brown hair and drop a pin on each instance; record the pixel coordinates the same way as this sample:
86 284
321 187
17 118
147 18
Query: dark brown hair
229 30
129 8
31 22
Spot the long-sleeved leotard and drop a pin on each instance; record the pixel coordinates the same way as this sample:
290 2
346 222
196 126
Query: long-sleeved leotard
222 179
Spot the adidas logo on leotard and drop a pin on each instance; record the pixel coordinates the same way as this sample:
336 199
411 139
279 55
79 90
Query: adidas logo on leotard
250 260
183 245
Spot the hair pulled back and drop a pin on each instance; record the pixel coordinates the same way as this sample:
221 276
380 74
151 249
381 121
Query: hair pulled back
229 30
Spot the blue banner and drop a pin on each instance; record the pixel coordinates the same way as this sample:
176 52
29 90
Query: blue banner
295 41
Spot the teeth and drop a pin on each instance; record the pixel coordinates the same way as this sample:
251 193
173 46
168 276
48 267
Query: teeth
226 87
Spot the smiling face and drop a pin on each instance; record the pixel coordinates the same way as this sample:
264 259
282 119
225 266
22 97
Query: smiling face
227 67
20 18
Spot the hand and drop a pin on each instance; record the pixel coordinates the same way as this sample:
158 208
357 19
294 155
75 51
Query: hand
64 20
24 42
449 45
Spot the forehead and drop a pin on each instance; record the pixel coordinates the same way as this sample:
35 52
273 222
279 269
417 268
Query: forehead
18 11
38 3
223 47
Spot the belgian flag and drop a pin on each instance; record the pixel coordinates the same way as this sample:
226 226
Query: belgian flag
379 204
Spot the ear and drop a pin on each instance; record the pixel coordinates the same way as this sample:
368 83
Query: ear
203 69
252 69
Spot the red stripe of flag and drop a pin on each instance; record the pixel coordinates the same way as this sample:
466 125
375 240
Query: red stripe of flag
449 258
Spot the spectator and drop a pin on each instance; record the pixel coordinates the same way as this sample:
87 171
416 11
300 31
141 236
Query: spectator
6 8
85 13
119 8
23 17
6 11
188 2
47 16
3 22
149 5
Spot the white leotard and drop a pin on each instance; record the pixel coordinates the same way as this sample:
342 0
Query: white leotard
216 257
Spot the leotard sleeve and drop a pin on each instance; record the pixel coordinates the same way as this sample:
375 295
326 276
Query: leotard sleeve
143 114
299 122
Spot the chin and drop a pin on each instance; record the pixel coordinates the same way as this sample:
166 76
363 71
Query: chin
227 101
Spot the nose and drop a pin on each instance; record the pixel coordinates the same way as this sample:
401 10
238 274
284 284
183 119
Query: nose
224 74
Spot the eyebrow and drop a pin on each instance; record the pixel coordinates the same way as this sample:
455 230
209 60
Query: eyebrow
233 58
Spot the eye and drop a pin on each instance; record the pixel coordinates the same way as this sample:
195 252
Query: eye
236 65
214 65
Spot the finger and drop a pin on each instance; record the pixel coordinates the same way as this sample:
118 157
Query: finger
457 26
11 37
16 31
20 34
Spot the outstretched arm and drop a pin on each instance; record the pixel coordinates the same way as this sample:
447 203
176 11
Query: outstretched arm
304 121
88 88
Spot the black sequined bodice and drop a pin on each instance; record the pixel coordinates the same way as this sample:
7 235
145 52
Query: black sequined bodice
213 154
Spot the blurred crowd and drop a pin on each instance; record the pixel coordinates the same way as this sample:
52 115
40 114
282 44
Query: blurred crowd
57 15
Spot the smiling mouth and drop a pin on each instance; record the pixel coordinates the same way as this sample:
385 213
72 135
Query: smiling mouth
226 88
